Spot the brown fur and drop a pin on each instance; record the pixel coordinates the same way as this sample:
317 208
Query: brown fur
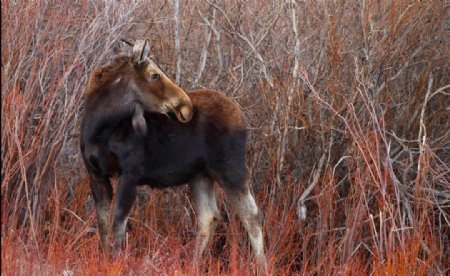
158 94
219 108
105 74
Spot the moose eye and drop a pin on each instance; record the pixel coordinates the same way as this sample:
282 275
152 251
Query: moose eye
155 76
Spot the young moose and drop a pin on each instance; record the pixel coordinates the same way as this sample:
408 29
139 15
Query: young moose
128 131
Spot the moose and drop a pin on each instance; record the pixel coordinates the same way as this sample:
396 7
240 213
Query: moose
141 127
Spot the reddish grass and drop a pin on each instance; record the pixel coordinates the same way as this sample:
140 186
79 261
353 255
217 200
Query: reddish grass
347 106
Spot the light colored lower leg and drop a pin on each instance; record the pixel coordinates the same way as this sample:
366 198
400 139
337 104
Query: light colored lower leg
251 218
103 210
203 196
119 228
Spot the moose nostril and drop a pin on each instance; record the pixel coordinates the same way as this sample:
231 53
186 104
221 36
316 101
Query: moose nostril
185 113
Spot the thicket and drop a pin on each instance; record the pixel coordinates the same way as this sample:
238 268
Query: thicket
347 104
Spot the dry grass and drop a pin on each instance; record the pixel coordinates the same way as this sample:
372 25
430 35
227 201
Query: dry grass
347 104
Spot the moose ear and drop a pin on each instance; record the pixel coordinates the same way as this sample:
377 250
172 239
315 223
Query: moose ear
122 46
119 48
141 49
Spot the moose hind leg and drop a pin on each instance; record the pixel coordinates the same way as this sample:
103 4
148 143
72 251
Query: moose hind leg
102 193
125 197
251 217
204 199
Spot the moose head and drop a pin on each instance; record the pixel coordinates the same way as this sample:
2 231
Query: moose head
134 83
156 91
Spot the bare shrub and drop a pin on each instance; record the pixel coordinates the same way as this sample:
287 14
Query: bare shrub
347 104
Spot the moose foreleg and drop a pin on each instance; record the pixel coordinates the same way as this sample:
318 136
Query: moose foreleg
102 193
125 197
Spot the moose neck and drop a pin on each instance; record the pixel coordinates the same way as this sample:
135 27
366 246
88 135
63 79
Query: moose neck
108 108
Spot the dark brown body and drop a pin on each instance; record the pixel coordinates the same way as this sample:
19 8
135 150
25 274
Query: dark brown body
171 153
142 128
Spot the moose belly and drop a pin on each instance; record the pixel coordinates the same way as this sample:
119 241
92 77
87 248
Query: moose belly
171 174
